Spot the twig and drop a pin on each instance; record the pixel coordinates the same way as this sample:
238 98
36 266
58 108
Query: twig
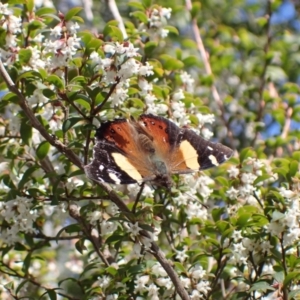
138 198
112 88
159 255
88 232
266 63
287 123
115 12
35 122
208 71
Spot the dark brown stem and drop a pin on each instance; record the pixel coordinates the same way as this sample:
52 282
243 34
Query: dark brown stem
35 122
138 198
112 88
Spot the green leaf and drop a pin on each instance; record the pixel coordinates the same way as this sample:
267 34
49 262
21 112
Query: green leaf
222 225
72 12
147 3
290 277
179 266
191 61
293 293
172 29
243 219
30 75
93 45
261 179
26 263
217 213
25 132
112 271
25 56
45 11
43 149
73 228
27 176
149 47
115 33
84 103
279 276
34 25
56 81
137 5
296 155
79 245
245 153
8 182
140 16
294 168
261 286
21 285
222 181
136 102
114 238
52 294
171 63
195 11
275 73
30 5
107 28
69 123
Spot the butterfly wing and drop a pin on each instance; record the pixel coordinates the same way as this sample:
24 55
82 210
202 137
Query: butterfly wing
198 153
118 157
181 149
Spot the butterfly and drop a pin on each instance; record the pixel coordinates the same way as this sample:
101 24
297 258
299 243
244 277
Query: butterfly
150 149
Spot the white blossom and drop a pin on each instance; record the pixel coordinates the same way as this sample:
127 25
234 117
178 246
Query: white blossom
134 229
233 172
232 193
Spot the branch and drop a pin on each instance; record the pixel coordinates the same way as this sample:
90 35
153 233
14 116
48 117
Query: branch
263 75
157 253
208 71
115 12
112 88
266 49
35 122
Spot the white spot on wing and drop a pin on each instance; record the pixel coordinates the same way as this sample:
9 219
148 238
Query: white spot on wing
210 148
114 177
101 167
213 160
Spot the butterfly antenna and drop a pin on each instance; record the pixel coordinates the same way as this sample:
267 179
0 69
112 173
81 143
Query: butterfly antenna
138 197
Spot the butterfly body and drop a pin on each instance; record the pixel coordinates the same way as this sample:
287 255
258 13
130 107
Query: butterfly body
150 149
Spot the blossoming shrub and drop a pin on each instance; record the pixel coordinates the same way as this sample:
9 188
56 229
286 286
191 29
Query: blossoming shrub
228 233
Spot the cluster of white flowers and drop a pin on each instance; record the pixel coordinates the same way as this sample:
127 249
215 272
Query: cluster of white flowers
63 45
153 286
106 226
181 114
150 286
287 224
19 216
13 26
157 19
241 248
187 81
118 67
247 175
